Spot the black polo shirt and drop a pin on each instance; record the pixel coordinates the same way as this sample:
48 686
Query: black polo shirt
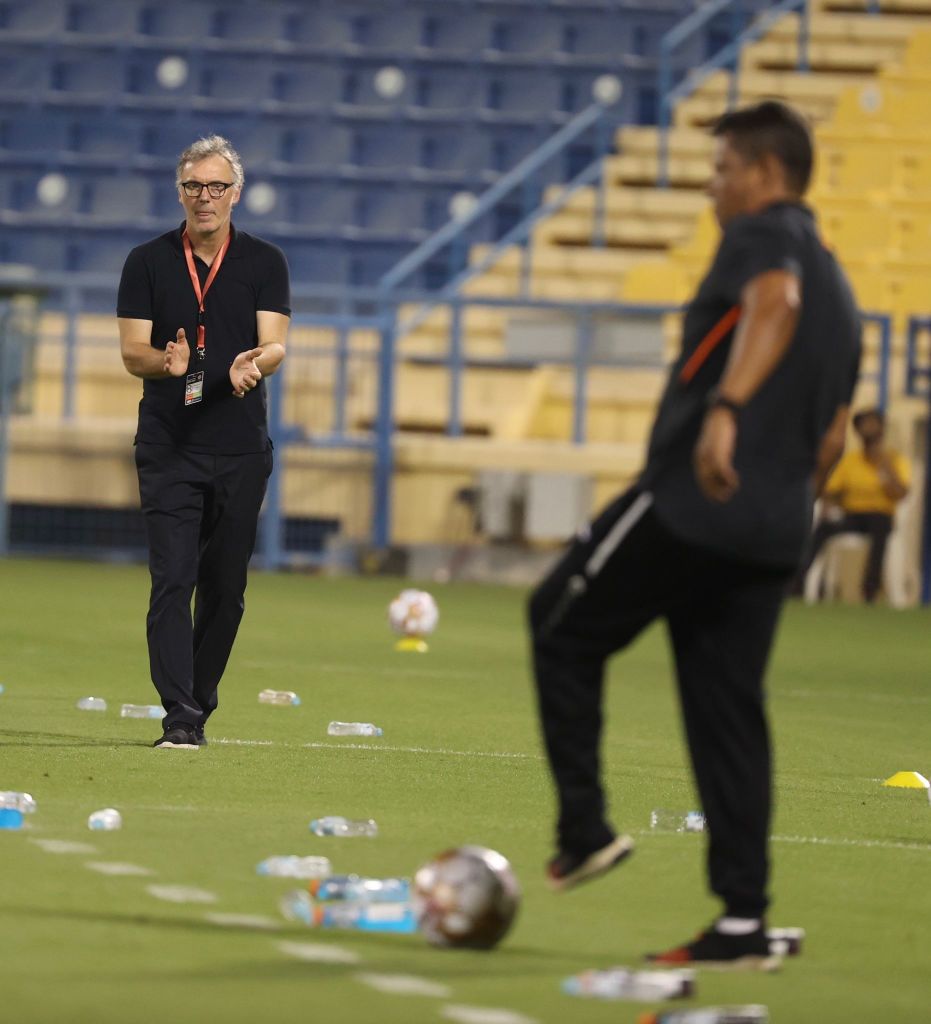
780 430
156 286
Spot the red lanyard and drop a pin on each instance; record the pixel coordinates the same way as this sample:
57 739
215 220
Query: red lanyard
195 280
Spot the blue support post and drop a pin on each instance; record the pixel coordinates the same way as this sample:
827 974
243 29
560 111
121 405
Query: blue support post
70 375
455 369
341 383
885 355
583 349
384 430
6 396
601 149
272 523
804 37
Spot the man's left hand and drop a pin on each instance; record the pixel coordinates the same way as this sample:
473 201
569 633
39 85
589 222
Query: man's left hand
713 459
244 374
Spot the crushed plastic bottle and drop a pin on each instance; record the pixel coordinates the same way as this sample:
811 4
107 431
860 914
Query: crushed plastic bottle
292 866
709 1015
353 729
334 825
91 704
625 983
677 821
107 820
352 887
351 914
279 697
142 711
25 803
785 941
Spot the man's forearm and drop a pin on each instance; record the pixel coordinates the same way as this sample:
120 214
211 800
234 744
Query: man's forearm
145 361
271 358
770 309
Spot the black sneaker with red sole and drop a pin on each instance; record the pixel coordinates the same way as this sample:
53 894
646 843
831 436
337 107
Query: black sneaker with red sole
714 949
567 870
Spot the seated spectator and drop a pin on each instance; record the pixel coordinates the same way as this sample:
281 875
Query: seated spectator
861 497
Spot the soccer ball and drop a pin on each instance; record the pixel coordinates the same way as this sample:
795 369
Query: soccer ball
413 613
466 897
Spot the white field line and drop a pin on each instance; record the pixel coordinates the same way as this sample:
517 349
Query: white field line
442 751
866 844
439 751
318 952
63 846
260 922
404 985
118 868
484 1015
181 894
876 698
882 844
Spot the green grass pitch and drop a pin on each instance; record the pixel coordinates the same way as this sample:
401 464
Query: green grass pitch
850 698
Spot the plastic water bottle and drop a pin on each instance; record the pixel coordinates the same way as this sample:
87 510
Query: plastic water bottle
2 687
295 867
358 915
91 704
23 802
709 1015
625 983
677 821
785 941
279 697
107 820
353 729
333 825
352 887
142 711
11 818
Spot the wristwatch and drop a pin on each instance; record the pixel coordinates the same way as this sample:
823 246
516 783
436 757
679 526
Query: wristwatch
718 401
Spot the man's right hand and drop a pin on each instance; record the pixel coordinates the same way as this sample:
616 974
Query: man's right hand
177 355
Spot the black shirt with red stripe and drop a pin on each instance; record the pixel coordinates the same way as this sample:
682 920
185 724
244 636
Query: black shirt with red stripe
156 286
780 430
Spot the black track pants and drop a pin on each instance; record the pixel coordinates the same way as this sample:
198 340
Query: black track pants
201 513
722 617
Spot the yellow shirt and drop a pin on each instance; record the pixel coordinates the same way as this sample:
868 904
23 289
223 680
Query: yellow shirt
855 481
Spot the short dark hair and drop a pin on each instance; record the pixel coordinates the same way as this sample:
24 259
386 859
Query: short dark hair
772 127
867 414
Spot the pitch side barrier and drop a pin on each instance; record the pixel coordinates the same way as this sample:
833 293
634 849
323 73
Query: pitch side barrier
918 385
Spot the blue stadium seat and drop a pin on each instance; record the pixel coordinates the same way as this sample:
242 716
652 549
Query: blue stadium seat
24 76
88 76
19 195
24 136
454 92
116 137
39 19
318 262
44 250
254 24
321 26
307 85
118 200
385 147
324 206
105 253
223 83
103 19
176 23
453 32
522 91
538 36
321 146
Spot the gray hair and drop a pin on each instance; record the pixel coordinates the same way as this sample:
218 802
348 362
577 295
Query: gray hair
211 145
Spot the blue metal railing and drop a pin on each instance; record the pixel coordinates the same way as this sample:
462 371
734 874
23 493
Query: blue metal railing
918 385
726 58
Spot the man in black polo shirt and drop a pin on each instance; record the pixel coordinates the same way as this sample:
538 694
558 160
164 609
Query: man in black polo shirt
202 449
750 424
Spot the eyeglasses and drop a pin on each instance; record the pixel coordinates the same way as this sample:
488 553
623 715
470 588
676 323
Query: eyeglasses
214 188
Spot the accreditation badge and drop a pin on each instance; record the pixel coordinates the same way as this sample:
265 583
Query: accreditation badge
194 388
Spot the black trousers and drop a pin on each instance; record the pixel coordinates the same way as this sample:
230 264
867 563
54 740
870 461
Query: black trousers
201 513
722 617
876 526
